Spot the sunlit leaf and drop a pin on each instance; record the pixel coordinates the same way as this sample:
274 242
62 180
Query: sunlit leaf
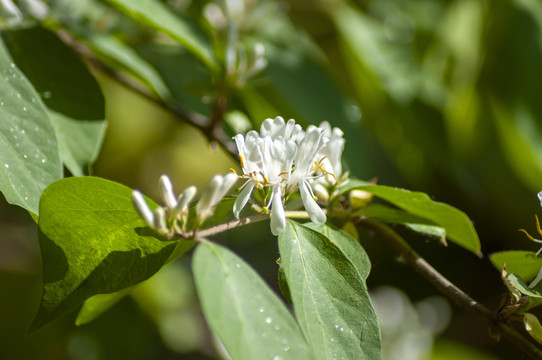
92 242
457 225
245 314
524 263
29 154
329 294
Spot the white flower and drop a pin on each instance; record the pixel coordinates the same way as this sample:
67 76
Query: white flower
331 153
328 161
284 158
267 158
305 168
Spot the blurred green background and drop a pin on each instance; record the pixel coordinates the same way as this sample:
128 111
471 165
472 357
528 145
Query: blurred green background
442 97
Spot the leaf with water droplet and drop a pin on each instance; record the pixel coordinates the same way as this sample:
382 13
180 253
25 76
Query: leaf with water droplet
241 310
55 71
326 279
19 124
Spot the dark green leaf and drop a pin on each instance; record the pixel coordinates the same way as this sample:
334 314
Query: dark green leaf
457 225
54 68
29 156
183 29
524 263
92 242
248 318
73 98
329 294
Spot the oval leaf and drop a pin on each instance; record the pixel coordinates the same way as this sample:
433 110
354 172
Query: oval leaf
329 294
92 242
245 314
29 156
455 223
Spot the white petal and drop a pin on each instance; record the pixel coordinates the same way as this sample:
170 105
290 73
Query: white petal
315 213
242 198
278 218
540 197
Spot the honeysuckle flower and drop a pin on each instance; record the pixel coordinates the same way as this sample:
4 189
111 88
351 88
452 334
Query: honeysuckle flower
305 168
212 193
331 153
284 158
267 159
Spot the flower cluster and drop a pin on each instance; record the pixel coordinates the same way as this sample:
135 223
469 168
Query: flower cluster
276 162
283 158
171 219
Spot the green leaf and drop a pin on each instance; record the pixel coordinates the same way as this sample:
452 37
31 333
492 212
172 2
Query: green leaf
351 248
183 29
397 216
329 294
524 263
92 242
457 225
29 156
98 304
519 284
245 314
72 96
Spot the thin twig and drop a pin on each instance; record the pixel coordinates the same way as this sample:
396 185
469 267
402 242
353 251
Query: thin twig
245 221
211 129
447 288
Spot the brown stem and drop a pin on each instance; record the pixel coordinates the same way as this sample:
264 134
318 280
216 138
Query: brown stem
447 288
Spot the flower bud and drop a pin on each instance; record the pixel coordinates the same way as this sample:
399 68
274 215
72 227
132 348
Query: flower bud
160 221
213 192
143 208
359 198
166 189
184 200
